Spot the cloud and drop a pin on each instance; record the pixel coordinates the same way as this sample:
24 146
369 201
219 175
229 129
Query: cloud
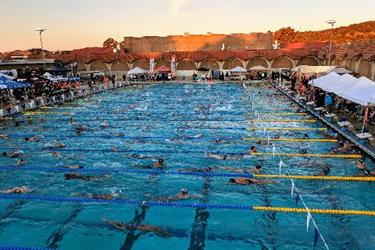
177 5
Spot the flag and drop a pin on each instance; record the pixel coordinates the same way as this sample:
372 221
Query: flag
316 236
308 218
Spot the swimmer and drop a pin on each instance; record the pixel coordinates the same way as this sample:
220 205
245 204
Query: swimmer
247 181
20 162
13 154
306 136
17 190
255 170
195 170
217 156
182 195
142 156
55 154
73 167
34 138
260 142
325 171
159 163
252 150
119 134
4 136
55 144
364 171
141 227
71 176
101 196
303 151
114 149
104 125
346 147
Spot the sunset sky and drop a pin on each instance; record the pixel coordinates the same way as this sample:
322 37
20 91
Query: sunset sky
82 23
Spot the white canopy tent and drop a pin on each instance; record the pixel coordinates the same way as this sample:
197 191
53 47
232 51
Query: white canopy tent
137 71
325 81
238 69
361 92
340 70
346 81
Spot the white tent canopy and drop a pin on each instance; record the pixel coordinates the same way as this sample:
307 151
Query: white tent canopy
324 81
340 70
346 81
137 71
238 69
259 68
361 92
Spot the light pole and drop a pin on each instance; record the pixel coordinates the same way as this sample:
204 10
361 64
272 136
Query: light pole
41 39
332 23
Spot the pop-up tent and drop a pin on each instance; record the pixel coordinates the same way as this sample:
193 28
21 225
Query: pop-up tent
361 92
326 82
346 81
238 69
11 84
137 71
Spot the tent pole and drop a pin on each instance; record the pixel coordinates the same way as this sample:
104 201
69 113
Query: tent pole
364 120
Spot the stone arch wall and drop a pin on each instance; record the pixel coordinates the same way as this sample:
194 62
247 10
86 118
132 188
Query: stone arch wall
308 60
119 66
257 61
81 66
210 63
353 63
186 64
143 64
162 62
231 63
282 62
98 65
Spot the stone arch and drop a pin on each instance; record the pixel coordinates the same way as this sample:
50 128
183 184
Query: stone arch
143 64
282 62
98 65
119 66
232 62
308 60
353 62
364 67
186 64
257 61
210 63
81 66
162 62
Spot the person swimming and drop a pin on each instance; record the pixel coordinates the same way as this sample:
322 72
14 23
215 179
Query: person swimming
325 171
73 167
75 176
346 147
110 196
252 150
4 136
55 144
20 162
34 138
182 195
141 227
55 154
13 154
224 157
142 156
196 170
17 190
159 163
364 171
247 181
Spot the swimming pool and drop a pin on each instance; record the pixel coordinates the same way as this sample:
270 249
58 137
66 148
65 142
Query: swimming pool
180 123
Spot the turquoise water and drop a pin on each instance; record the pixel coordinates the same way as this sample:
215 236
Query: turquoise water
178 123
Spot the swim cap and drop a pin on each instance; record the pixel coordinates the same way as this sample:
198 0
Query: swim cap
183 190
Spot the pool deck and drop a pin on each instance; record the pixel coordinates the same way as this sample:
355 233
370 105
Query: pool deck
363 145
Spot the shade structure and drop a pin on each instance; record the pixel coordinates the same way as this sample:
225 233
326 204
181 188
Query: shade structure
11 84
340 70
137 71
238 69
259 68
361 92
163 68
306 69
346 81
325 81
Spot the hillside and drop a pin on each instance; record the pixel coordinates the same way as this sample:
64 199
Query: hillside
353 33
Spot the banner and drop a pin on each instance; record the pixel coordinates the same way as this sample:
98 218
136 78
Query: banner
152 65
173 66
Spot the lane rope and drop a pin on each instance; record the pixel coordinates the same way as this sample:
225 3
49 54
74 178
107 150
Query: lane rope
61 199
349 156
285 120
289 139
289 128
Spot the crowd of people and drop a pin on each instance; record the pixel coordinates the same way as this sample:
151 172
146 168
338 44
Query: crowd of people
331 102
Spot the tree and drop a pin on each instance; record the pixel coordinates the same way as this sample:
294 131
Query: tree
110 43
284 35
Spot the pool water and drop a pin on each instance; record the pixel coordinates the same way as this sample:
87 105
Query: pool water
179 123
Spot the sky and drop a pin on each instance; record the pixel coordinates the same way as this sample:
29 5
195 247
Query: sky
74 24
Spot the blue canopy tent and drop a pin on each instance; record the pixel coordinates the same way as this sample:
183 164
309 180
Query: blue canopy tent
6 83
